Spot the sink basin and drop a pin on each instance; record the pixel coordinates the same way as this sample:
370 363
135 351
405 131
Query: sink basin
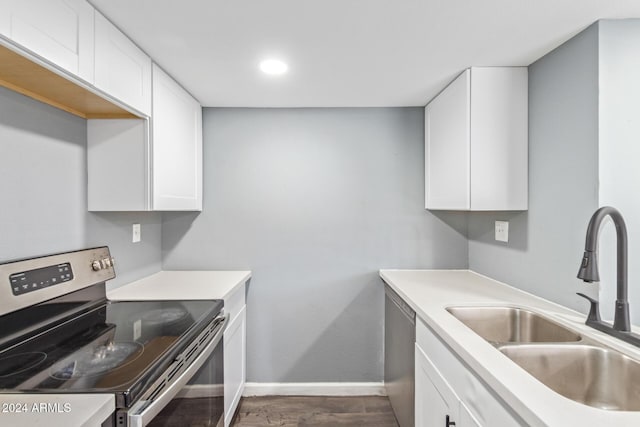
512 325
594 376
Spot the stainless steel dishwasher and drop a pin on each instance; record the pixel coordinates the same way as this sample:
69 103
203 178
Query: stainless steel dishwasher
399 356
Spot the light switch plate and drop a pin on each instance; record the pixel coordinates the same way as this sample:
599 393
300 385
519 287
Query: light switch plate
502 231
136 233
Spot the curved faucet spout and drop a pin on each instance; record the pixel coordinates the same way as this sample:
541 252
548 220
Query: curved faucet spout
589 266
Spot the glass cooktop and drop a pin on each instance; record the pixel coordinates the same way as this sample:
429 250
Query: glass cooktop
116 347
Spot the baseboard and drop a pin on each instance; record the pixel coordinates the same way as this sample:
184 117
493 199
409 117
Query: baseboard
315 389
191 391
287 389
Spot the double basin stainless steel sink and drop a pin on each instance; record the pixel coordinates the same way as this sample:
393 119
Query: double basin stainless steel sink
574 366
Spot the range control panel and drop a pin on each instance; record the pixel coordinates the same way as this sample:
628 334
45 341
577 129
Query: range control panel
52 276
33 280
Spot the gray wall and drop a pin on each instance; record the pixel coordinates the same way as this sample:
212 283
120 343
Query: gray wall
546 242
314 202
43 188
619 151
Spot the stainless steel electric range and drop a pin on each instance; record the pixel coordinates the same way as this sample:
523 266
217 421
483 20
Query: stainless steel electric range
60 334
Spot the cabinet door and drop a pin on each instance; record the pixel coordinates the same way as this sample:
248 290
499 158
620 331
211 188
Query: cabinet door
499 138
60 31
5 18
234 364
122 70
435 400
447 149
177 146
117 164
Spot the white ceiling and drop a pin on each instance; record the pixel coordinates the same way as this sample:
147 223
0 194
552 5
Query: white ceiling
345 53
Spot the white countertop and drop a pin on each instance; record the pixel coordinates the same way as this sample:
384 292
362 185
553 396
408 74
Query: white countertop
49 410
177 285
429 292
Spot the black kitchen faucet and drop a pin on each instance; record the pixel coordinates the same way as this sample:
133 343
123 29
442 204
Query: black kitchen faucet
588 272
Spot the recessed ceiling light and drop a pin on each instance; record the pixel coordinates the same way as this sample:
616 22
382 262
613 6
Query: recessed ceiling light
273 67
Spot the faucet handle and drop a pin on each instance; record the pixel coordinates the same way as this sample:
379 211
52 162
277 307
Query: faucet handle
594 309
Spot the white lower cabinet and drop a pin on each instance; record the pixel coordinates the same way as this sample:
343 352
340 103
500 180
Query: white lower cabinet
448 392
235 352
436 402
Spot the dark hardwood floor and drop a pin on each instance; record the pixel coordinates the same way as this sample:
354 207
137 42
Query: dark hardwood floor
294 411
285 411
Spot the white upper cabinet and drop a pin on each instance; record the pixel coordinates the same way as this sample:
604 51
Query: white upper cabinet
60 31
447 147
476 142
141 165
122 70
177 146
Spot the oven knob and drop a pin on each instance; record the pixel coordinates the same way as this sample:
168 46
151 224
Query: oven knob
107 262
96 265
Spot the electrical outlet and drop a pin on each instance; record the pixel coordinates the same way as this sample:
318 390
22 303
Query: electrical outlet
502 231
136 233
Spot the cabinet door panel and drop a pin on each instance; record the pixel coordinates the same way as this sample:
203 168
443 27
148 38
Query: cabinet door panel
117 169
234 302
61 31
499 133
5 18
177 146
122 69
234 364
435 401
447 147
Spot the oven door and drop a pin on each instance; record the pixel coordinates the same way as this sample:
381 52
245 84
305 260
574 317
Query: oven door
150 409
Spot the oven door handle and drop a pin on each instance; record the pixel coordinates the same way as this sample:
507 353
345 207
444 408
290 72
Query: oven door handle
144 411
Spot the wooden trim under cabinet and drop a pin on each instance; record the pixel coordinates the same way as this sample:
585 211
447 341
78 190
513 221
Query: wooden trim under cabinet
24 76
